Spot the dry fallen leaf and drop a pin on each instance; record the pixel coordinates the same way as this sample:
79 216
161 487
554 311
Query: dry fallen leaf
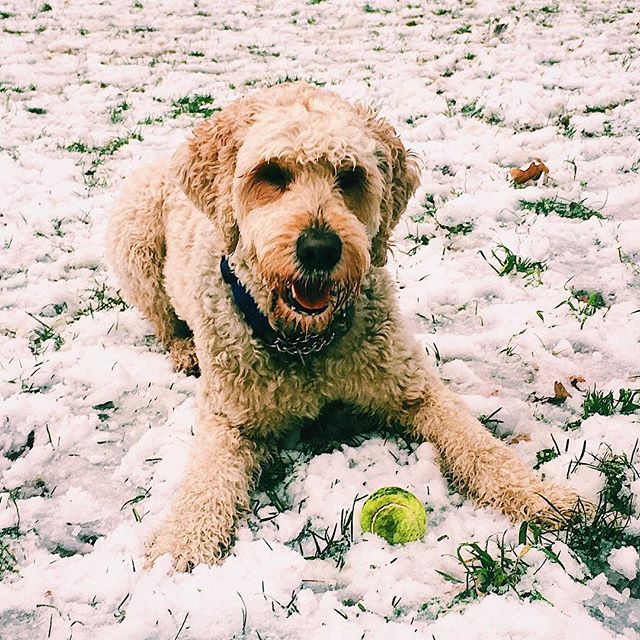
519 437
559 392
532 172
575 381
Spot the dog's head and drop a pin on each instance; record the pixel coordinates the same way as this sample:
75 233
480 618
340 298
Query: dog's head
305 189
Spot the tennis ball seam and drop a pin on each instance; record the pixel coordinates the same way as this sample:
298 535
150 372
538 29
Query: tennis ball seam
383 508
394 514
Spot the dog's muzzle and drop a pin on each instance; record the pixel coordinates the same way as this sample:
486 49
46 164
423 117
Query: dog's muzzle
297 346
318 251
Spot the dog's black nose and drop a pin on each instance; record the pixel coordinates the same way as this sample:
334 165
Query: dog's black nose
318 249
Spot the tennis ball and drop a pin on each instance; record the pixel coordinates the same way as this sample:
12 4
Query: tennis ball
395 515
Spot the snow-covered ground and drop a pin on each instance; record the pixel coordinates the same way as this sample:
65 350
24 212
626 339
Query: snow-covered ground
94 425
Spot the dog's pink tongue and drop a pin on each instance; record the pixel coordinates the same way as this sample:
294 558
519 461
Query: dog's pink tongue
312 298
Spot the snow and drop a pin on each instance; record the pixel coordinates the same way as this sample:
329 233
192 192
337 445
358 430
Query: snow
111 422
625 561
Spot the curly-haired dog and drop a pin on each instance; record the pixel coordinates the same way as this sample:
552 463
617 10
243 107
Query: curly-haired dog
257 253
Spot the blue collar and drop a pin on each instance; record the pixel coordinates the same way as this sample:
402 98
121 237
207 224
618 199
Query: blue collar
244 301
293 346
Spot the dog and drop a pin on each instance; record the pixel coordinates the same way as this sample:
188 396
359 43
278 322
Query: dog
257 252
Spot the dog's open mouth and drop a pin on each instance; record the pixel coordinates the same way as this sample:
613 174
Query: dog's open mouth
311 297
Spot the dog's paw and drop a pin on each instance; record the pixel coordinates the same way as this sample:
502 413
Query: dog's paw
556 506
187 549
162 544
182 354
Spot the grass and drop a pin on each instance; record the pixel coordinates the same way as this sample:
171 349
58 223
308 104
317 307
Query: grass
605 404
41 334
419 240
287 78
543 456
603 108
116 114
103 408
491 423
98 154
149 120
428 212
101 298
144 493
369 9
600 403
472 110
562 208
629 261
509 263
197 104
584 304
592 538
463 228
607 131
4 87
255 50
331 543
633 168
565 126
56 224
17 451
497 567
8 562
274 480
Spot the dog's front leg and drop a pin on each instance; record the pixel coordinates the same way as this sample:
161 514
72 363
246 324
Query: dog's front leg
481 464
214 492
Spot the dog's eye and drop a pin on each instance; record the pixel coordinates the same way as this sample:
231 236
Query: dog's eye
350 180
274 174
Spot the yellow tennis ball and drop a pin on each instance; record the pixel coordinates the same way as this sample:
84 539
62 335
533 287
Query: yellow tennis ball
395 515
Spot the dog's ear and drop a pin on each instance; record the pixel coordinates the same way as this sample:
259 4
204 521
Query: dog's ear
205 165
401 176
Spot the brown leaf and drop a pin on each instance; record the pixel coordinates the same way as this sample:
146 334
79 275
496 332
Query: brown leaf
532 172
575 381
559 391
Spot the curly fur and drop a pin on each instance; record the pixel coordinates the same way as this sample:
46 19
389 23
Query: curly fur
166 235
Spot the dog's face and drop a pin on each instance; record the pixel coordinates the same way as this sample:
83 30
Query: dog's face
306 197
306 189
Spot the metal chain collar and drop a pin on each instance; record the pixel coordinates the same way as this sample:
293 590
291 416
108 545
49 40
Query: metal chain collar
292 346
302 345
306 345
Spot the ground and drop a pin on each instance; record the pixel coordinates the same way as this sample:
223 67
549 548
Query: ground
521 294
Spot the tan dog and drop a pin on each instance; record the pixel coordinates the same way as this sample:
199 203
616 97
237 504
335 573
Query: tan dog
258 253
